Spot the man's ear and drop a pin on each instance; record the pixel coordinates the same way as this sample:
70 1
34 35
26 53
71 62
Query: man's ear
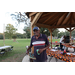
39 31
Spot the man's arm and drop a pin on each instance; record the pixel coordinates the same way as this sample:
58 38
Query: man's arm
41 50
46 47
47 43
28 49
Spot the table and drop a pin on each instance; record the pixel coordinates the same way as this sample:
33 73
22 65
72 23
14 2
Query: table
54 43
68 45
57 54
4 49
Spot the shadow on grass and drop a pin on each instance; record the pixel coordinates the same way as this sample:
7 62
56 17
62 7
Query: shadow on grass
10 57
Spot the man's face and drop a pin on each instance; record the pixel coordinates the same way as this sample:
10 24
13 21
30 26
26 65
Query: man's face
36 32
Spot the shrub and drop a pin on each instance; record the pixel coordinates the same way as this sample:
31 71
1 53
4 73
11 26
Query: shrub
1 36
14 36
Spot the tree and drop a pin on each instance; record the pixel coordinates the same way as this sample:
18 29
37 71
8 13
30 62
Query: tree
1 35
55 33
10 30
19 35
73 33
45 31
60 34
67 33
14 37
21 17
27 32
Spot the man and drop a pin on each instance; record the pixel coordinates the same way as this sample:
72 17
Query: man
39 41
62 41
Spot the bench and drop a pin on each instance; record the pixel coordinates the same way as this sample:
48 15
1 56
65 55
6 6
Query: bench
4 49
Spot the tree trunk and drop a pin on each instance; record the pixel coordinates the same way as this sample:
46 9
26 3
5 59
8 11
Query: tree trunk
14 40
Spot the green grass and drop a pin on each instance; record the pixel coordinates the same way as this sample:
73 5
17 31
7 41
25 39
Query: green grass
19 49
53 40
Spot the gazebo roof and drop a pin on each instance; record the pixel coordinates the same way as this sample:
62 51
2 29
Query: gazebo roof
54 19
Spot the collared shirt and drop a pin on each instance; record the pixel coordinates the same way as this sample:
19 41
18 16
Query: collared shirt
40 43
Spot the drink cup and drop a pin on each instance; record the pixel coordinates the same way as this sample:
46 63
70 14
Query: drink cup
37 51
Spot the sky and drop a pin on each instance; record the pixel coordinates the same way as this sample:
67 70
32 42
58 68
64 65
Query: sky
5 19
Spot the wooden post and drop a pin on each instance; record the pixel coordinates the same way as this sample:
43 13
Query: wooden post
34 20
70 34
51 36
4 34
31 36
31 19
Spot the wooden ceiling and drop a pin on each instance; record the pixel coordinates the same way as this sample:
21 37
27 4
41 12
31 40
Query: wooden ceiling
54 19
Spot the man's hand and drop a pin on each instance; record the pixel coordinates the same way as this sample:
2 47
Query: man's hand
27 52
40 51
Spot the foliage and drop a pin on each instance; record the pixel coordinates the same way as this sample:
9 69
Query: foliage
1 36
66 33
14 36
19 35
10 30
73 33
55 32
27 32
21 17
46 32
60 34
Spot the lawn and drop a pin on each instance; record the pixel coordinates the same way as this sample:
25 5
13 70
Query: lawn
18 52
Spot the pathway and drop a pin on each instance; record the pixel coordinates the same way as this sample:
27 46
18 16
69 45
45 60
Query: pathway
26 59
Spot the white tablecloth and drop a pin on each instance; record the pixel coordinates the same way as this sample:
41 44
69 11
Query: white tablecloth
4 47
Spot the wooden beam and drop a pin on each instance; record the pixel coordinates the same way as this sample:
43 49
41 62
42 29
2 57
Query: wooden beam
43 25
73 16
31 18
62 19
50 17
46 15
73 29
56 18
42 19
70 29
51 27
66 19
67 29
54 24
36 18
33 13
